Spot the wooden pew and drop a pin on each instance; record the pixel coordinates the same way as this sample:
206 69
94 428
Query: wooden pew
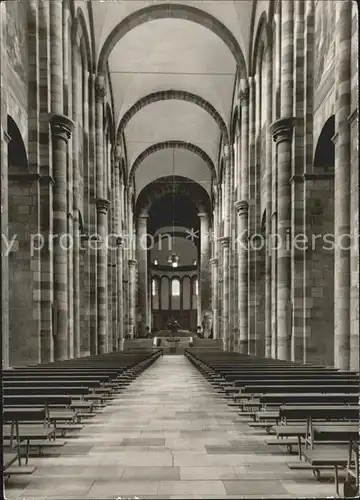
299 388
33 435
314 398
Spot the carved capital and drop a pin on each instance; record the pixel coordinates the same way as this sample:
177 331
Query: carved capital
144 216
61 127
225 241
242 207
244 96
214 262
282 129
226 152
117 155
102 205
203 215
100 89
120 240
132 262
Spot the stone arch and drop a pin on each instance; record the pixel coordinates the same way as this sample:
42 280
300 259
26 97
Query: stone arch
262 41
17 156
81 36
324 156
172 145
164 186
172 94
166 11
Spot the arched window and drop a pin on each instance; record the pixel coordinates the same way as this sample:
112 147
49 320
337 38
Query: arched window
154 287
175 288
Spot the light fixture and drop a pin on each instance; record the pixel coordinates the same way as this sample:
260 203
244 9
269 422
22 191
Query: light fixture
156 262
194 262
173 259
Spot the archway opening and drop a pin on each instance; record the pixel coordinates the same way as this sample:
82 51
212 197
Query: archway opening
24 265
320 262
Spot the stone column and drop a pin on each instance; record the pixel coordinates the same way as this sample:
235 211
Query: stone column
251 184
215 297
142 252
282 131
92 225
242 207
205 272
225 243
74 195
4 264
132 292
61 128
342 142
102 206
268 149
100 93
132 243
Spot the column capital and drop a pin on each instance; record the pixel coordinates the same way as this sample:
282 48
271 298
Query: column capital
214 262
282 129
119 241
143 215
116 150
225 241
203 215
242 207
100 89
244 95
132 262
102 205
61 126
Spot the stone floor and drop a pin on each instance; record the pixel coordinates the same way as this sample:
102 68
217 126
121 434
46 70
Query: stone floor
168 435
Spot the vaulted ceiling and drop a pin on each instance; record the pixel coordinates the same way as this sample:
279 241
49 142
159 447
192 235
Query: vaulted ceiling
193 48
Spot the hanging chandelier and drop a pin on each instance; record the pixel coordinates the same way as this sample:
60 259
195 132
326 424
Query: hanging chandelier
173 259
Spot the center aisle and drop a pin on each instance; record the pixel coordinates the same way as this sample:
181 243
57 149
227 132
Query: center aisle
169 434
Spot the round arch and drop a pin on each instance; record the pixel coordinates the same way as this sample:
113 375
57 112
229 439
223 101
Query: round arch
17 156
175 11
183 187
324 156
172 145
81 35
180 95
261 43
